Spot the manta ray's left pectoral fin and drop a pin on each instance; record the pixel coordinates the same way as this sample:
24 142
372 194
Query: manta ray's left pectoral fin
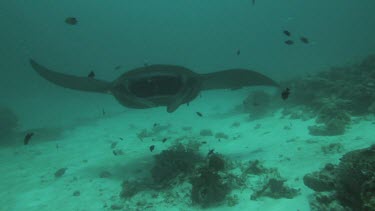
71 81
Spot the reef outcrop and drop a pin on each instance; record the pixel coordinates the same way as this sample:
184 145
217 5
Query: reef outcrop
350 185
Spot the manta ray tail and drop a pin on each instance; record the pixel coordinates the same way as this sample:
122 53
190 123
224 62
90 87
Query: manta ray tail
70 81
235 79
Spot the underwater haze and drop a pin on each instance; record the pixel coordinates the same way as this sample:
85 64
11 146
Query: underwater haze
187 105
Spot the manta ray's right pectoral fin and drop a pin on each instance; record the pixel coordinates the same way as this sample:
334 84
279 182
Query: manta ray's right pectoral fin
71 81
235 79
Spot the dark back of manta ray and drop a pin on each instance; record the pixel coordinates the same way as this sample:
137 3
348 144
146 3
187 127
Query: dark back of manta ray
156 86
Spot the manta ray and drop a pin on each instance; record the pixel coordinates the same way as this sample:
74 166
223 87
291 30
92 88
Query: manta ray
157 85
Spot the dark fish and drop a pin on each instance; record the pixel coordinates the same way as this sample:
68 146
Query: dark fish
304 40
71 20
27 138
253 1
287 33
152 147
156 124
60 172
91 74
117 152
289 42
285 94
238 52
113 145
118 67
76 193
199 114
164 140
210 152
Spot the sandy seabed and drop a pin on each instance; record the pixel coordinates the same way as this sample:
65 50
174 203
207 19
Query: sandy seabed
29 182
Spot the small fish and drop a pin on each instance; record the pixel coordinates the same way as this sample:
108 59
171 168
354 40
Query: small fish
238 52
71 20
285 94
27 138
199 113
103 112
152 147
117 152
287 33
304 40
210 152
91 74
60 172
118 67
164 140
113 145
289 42
253 1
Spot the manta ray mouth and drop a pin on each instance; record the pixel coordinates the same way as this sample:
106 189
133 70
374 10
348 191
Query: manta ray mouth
156 86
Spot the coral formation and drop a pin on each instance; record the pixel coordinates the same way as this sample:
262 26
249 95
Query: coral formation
323 180
208 188
275 188
221 135
175 166
333 119
271 183
335 94
350 184
326 201
173 162
255 167
216 162
355 179
130 188
232 200
180 173
332 148
206 132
